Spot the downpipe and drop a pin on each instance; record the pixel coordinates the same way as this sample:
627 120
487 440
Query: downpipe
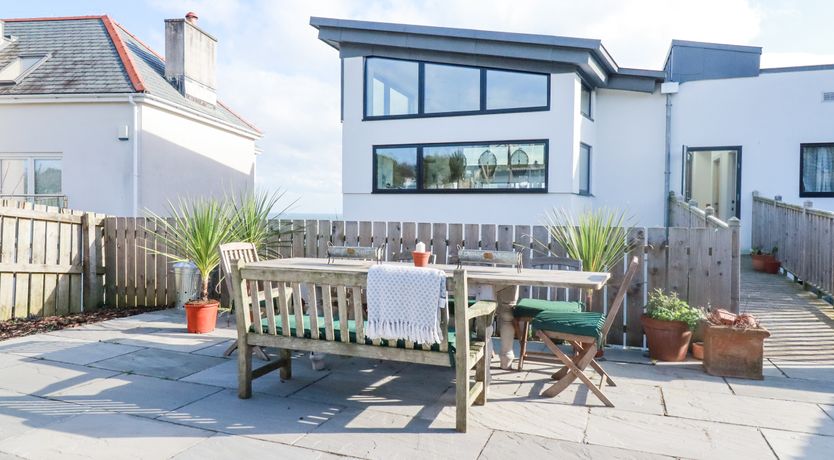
136 135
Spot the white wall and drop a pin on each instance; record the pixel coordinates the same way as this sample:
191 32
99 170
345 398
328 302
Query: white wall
185 157
769 116
96 165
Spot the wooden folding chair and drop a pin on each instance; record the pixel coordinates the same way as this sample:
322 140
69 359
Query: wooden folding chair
233 252
585 331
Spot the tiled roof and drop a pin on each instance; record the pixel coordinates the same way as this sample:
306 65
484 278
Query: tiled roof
94 55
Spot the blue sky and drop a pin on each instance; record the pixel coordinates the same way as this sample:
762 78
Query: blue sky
274 71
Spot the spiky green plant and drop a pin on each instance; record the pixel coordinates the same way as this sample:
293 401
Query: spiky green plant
194 231
599 238
251 214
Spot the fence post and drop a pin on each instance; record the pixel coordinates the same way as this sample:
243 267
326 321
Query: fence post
89 261
735 276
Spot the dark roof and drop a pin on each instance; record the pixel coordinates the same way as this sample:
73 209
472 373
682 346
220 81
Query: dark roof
95 55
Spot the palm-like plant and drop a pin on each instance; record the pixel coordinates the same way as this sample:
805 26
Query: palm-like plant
599 238
193 233
251 214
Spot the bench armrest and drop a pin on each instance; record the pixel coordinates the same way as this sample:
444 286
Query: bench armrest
481 308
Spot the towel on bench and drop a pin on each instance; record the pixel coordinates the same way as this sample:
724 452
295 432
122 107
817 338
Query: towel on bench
403 303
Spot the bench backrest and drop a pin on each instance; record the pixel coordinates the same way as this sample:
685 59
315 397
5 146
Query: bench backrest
235 252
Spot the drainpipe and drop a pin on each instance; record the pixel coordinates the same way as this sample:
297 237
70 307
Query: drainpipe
667 172
136 135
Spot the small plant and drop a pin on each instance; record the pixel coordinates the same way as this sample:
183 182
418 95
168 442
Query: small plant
669 307
251 215
599 238
759 252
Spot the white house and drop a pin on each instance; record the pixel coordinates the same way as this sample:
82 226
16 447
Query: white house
90 113
460 125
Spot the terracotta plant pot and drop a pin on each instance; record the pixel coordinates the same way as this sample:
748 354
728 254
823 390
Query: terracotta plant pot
731 352
772 266
421 259
698 350
201 317
668 340
760 261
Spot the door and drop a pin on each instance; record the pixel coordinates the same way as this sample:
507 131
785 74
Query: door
712 177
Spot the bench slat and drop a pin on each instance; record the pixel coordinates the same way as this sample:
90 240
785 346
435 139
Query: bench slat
341 297
270 307
359 317
298 309
256 306
283 309
313 312
327 306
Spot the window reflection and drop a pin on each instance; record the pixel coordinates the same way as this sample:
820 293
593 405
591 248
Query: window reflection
452 88
392 87
484 166
396 169
506 90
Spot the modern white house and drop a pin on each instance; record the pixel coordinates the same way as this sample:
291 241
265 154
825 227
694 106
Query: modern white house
471 126
92 117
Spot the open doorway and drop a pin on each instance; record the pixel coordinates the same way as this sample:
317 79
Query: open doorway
713 177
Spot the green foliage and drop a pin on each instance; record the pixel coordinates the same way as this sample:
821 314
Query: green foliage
251 213
599 238
193 232
457 166
668 307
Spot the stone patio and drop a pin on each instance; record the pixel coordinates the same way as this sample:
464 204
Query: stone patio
140 387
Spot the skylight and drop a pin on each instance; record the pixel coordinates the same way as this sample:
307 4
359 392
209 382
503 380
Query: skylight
20 66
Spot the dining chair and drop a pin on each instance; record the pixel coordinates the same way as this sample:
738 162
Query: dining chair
585 331
564 300
229 253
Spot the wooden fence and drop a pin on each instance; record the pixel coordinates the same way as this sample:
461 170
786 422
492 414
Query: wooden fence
701 264
688 214
803 235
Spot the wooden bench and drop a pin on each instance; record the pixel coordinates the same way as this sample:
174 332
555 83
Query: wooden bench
339 327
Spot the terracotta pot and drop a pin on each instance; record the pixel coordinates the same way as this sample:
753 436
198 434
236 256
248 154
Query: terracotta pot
730 352
201 317
698 350
668 340
421 259
772 266
760 260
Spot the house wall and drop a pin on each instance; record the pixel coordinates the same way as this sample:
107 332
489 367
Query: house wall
96 165
184 157
769 116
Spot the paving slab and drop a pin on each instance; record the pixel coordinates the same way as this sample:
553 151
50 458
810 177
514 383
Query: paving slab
228 447
39 377
634 398
103 332
83 437
790 445
175 339
745 410
159 363
7 360
64 349
686 377
675 436
265 417
503 445
7 456
134 394
807 371
217 350
225 375
814 391
372 434
20 413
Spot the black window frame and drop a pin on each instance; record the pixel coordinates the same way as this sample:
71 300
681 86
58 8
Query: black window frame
421 91
802 192
421 190
586 192
590 114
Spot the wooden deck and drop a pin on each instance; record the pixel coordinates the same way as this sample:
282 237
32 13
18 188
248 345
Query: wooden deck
802 326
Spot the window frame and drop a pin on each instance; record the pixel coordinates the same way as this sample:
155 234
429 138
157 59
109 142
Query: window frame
586 192
420 188
590 114
421 92
802 192
30 159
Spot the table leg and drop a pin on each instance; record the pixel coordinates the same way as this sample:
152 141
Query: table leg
507 297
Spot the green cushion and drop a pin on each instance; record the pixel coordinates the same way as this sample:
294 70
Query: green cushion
337 332
528 308
587 324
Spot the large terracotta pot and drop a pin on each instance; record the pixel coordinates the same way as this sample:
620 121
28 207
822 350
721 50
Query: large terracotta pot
730 352
760 261
201 317
772 266
668 340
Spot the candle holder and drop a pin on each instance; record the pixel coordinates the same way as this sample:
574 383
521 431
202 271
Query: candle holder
421 259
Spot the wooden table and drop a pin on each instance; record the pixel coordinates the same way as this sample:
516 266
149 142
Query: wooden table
500 278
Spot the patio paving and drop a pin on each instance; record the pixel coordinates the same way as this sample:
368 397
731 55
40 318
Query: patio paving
141 387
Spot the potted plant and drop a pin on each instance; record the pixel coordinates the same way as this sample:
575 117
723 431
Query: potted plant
193 233
668 324
734 345
457 167
766 261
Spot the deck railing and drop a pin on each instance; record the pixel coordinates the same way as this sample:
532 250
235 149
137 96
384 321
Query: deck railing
803 238
688 214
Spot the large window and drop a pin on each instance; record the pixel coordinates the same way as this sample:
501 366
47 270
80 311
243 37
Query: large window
584 169
816 170
471 167
401 89
36 179
585 101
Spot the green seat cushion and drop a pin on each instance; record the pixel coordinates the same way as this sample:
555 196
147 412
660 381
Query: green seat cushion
587 324
528 308
337 332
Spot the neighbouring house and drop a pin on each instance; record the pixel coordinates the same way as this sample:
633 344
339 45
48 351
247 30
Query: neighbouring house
92 117
458 125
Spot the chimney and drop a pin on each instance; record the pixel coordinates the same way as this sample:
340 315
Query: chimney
190 59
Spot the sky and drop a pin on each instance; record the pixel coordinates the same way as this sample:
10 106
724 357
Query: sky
274 71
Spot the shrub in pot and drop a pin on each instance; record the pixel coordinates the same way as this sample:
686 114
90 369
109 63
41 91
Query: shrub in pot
765 261
668 324
193 232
